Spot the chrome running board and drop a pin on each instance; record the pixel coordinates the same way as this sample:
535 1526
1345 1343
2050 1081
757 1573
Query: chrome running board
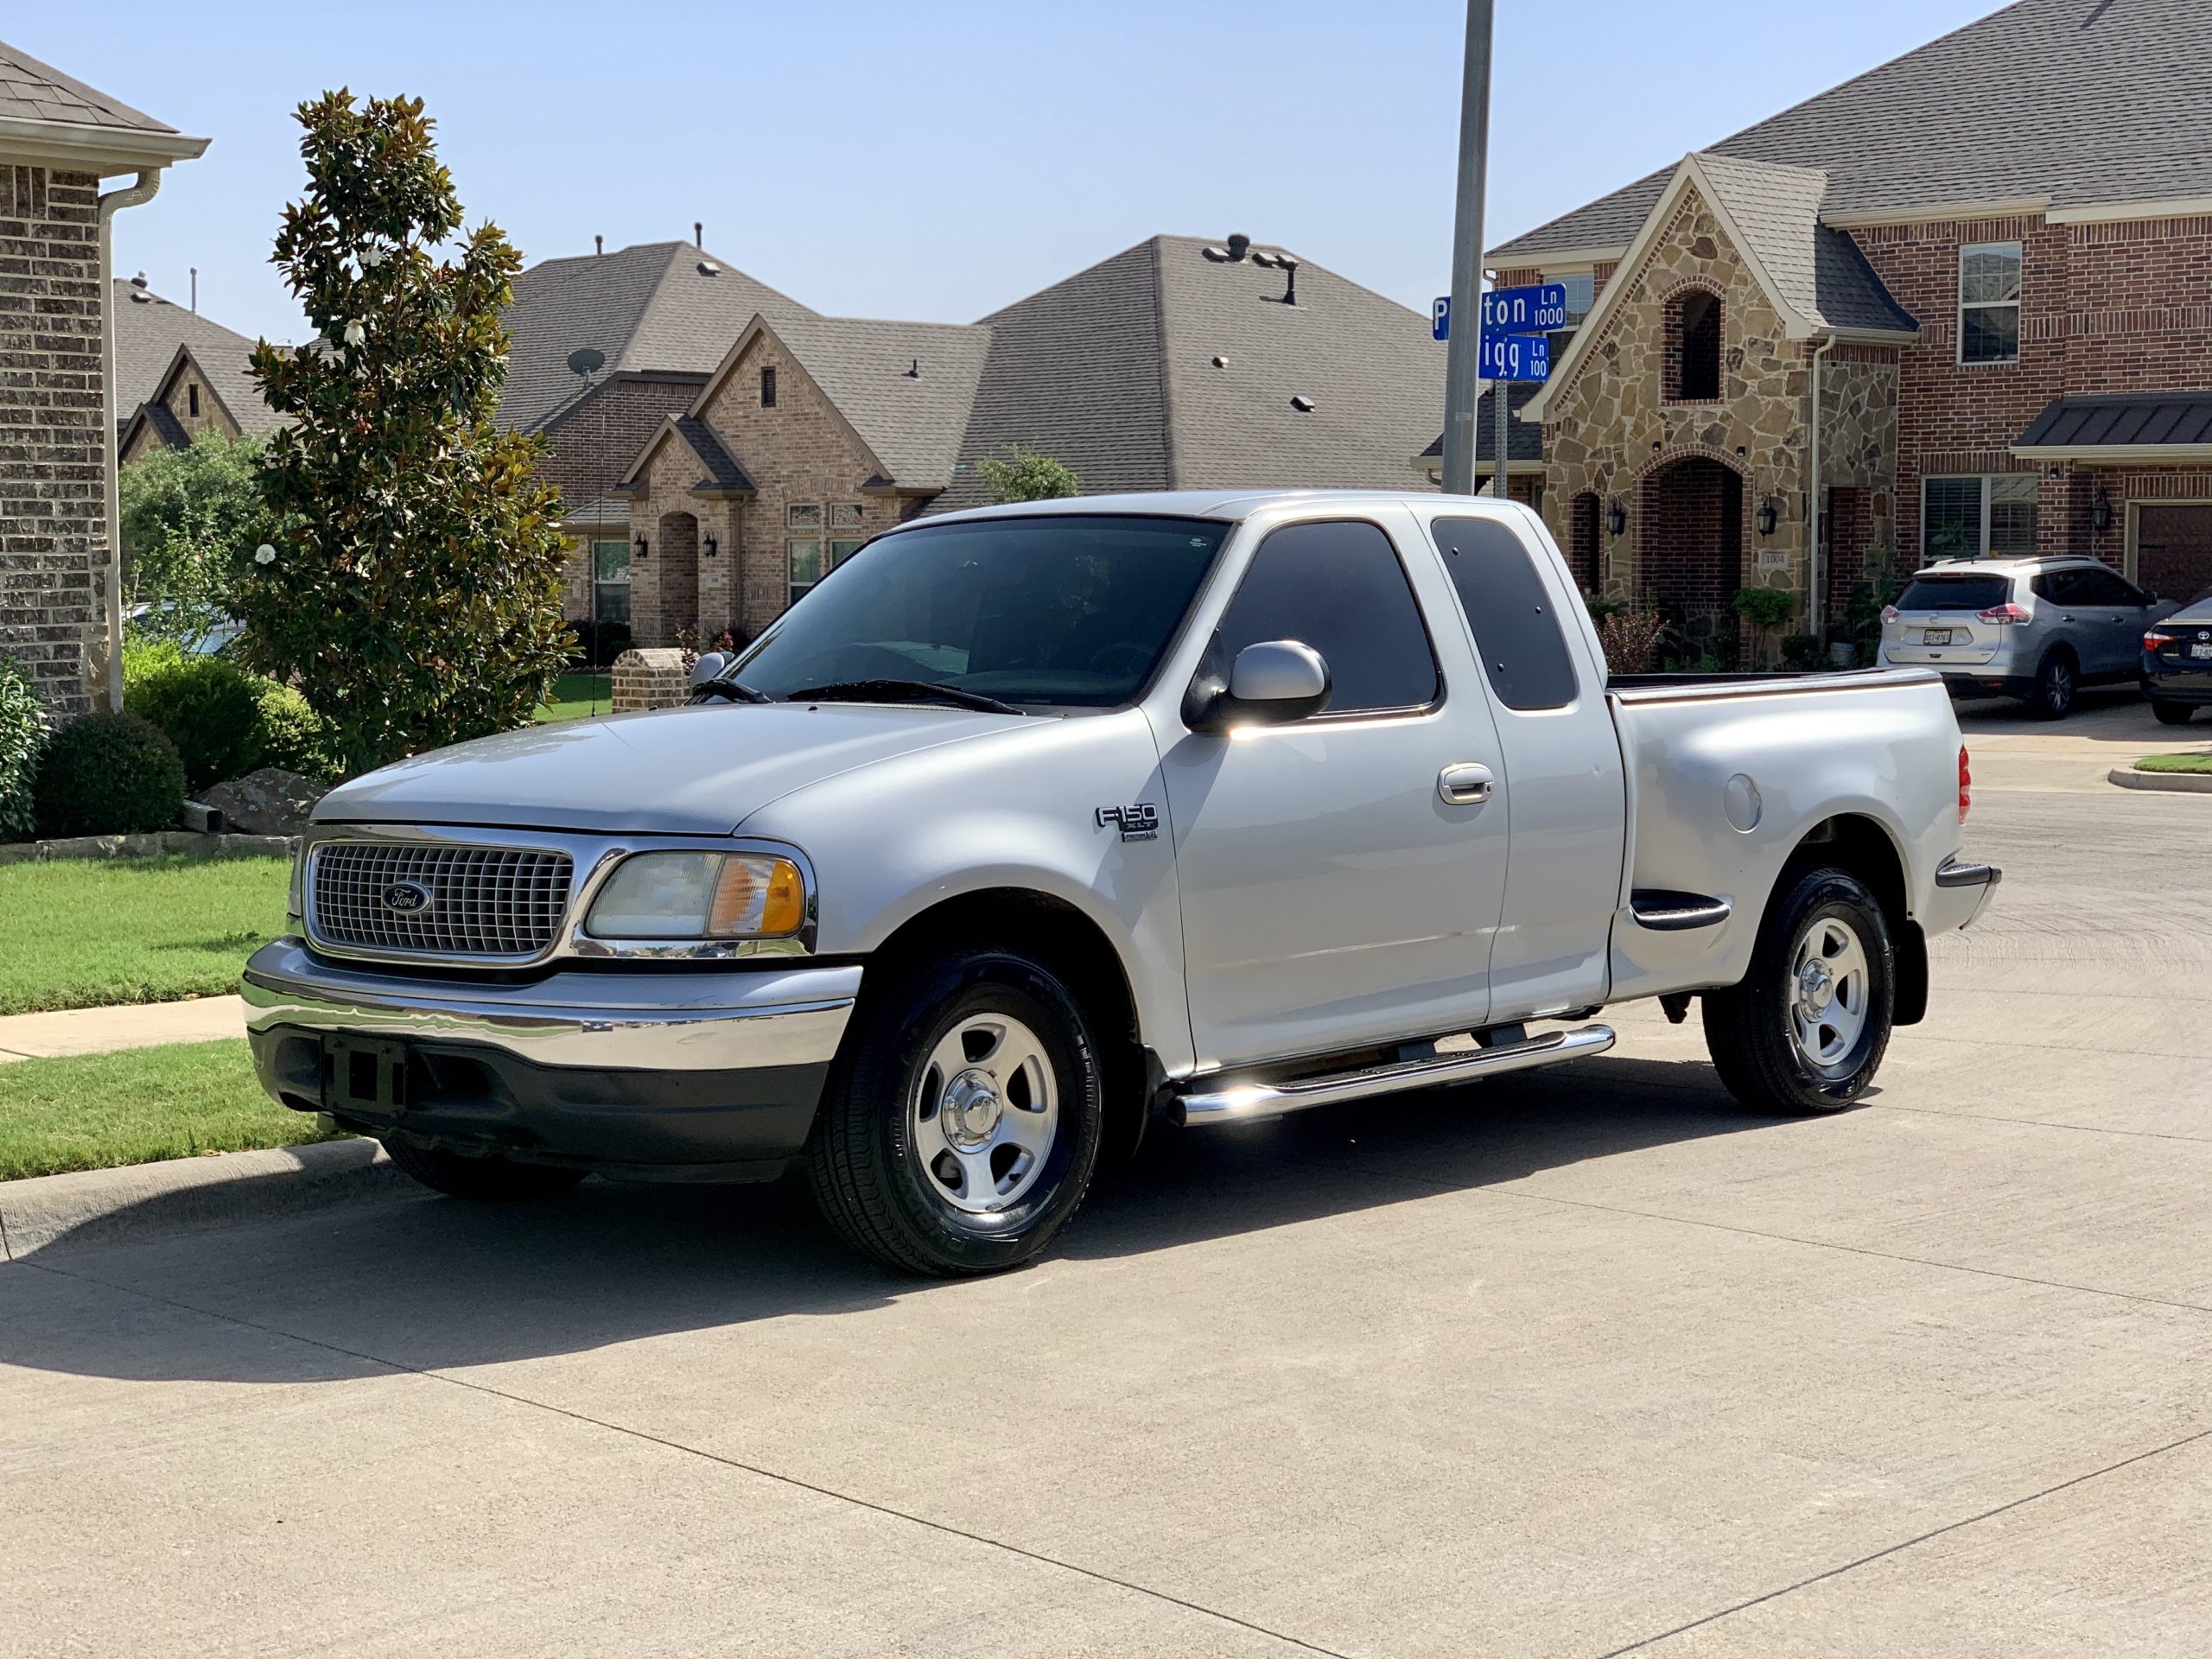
1231 1103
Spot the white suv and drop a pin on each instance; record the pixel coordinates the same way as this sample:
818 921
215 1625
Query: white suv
2030 628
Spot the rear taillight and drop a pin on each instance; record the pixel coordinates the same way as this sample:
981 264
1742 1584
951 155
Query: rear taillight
1966 785
1890 613
2155 641
2007 615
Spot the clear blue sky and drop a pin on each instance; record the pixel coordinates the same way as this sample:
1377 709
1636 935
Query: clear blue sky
935 161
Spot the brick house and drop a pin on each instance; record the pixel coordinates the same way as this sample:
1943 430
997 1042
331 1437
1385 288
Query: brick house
178 374
1962 304
1176 363
59 605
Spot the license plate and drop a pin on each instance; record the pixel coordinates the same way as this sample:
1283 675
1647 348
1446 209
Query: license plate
1939 636
363 1075
2203 653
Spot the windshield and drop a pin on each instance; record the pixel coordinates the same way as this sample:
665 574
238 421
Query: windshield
1979 593
1068 609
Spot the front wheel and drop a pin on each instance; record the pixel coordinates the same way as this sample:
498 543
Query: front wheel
2172 713
962 1128
1804 1032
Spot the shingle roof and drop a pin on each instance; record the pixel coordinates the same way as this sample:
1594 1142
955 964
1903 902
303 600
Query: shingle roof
1160 368
31 91
648 306
1524 440
722 471
167 426
149 330
1816 271
2070 100
907 387
2129 421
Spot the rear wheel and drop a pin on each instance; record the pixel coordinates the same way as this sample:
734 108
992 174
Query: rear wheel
963 1127
1805 1031
487 1180
2053 697
2172 713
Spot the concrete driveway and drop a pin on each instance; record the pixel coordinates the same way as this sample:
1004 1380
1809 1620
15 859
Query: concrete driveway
1585 1364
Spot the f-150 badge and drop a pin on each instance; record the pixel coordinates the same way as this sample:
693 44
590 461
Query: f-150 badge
1138 823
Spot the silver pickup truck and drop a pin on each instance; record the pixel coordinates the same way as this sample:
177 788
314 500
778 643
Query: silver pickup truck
1030 827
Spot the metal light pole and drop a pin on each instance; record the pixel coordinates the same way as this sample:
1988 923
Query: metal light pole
1463 348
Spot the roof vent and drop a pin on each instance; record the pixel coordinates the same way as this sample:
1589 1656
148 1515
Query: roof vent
915 373
1303 405
1220 362
139 281
698 234
709 268
599 244
1239 245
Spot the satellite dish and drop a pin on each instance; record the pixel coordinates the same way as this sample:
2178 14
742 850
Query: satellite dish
587 361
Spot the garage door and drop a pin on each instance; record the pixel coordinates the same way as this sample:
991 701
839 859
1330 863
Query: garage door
2173 550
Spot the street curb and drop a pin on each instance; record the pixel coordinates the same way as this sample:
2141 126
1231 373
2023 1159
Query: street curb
97 1208
2170 783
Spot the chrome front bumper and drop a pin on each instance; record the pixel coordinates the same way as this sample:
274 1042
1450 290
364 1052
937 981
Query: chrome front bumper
716 1069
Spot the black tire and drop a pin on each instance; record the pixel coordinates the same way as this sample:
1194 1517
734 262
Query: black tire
867 1161
1751 1028
487 1180
2172 713
2057 681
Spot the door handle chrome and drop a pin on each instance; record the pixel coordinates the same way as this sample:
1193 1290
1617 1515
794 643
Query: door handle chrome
1464 786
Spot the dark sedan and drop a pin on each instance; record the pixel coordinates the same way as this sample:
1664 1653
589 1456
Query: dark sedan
2176 669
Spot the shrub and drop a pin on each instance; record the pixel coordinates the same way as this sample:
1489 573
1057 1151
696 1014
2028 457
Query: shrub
1629 639
1765 608
22 734
109 775
191 518
293 736
1022 475
208 707
1801 650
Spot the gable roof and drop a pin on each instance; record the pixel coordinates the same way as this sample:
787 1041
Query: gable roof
1114 372
56 116
905 387
154 335
1814 277
2069 102
658 305
722 477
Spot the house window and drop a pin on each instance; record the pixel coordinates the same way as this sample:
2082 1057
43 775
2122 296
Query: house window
840 552
805 516
1989 303
1582 288
610 580
767 388
1693 367
1974 518
845 514
192 399
805 557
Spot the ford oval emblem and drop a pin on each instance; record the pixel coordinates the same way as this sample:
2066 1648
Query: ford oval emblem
406 898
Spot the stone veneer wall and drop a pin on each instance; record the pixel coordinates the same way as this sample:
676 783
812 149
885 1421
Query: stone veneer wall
53 552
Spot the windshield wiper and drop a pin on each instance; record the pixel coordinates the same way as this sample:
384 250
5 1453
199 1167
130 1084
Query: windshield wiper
735 690
900 691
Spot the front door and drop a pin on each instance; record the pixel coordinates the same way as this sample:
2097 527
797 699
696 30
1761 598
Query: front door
1331 897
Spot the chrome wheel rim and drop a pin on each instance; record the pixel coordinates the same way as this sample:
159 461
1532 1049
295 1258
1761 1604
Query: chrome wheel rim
1829 985
983 1115
2062 685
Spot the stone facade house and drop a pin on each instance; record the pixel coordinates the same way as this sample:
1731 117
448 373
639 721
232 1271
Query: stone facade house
178 375
60 142
1176 363
1922 315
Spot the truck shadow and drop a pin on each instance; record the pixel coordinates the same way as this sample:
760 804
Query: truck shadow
422 1283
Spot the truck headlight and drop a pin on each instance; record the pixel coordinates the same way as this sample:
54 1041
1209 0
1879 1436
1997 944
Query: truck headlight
699 896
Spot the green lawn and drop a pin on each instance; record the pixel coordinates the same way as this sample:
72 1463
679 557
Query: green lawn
2200 761
97 1111
80 933
577 695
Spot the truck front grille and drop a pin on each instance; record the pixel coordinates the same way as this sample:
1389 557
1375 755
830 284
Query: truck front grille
429 900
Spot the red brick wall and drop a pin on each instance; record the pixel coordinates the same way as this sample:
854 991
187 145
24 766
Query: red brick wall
592 446
1690 552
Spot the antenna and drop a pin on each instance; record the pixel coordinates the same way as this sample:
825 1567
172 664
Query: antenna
587 361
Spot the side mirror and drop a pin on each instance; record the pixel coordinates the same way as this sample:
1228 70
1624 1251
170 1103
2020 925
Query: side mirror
710 664
1271 684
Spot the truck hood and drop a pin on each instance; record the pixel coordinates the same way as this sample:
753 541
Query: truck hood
695 770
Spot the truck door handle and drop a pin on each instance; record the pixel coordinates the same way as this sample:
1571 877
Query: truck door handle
1464 786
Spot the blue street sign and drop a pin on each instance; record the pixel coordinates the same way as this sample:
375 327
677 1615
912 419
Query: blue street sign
1516 357
1534 310
1440 317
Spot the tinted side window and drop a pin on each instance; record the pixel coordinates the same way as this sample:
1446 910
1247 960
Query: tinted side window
2105 588
1340 588
1510 611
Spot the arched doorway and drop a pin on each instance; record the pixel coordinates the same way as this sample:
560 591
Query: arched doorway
676 553
1689 557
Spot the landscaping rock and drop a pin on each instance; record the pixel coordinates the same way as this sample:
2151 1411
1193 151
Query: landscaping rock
270 802
149 846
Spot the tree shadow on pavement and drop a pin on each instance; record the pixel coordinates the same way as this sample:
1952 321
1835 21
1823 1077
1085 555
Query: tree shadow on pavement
426 1283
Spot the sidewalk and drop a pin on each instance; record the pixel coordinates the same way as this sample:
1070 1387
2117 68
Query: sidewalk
95 1031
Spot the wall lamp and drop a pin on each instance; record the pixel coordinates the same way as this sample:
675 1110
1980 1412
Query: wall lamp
711 548
1768 516
640 545
1615 519
2100 512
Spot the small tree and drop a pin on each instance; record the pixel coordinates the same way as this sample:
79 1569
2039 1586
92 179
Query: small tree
1765 609
1024 475
190 516
411 581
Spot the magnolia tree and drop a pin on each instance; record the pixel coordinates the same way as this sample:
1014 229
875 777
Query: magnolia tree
1022 475
410 584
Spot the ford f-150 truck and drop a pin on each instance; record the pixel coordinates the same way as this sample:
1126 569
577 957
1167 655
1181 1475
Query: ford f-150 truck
1031 826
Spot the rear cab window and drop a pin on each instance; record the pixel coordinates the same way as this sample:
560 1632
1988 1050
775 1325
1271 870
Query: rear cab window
1510 613
1980 592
